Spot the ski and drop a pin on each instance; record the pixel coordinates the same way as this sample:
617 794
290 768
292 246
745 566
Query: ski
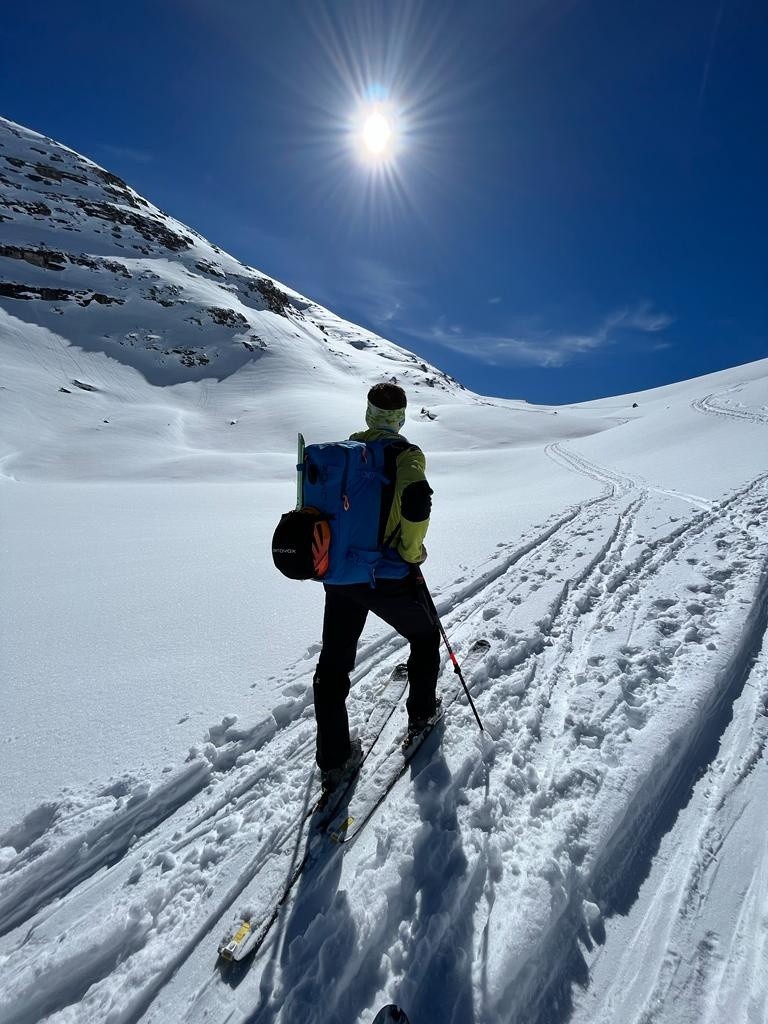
244 938
378 786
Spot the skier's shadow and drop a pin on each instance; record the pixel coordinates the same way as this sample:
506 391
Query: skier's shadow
310 945
320 935
318 932
437 974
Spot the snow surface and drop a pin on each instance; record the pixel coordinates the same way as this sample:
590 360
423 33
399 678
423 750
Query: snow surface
597 855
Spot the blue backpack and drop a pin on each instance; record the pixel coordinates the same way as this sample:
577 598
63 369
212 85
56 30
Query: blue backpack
336 534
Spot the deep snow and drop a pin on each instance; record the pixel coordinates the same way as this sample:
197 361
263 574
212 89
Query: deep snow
597 856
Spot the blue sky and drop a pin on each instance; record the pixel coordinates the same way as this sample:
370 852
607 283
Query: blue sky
577 207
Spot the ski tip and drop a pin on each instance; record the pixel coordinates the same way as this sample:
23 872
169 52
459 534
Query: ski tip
391 1014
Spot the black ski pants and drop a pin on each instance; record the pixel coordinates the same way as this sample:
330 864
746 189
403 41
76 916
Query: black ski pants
404 605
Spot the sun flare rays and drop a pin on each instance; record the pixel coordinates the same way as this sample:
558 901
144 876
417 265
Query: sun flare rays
383 92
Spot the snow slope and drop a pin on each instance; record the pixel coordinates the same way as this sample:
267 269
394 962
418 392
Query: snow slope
597 854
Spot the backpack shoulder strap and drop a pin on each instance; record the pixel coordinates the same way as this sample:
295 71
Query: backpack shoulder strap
392 450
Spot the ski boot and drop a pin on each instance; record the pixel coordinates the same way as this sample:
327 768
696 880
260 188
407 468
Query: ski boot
420 726
335 778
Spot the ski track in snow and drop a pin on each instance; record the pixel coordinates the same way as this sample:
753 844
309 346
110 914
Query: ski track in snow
586 643
715 405
701 959
54 872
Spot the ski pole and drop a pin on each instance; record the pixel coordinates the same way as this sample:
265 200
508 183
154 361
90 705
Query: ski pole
456 667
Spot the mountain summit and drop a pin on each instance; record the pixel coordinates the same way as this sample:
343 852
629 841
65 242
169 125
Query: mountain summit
90 269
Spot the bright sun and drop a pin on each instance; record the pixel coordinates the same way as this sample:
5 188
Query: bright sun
377 134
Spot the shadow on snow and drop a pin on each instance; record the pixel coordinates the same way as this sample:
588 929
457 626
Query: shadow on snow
317 971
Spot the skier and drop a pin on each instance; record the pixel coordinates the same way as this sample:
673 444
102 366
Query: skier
401 601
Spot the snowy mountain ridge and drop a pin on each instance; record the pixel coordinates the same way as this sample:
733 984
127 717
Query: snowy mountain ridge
127 305
174 306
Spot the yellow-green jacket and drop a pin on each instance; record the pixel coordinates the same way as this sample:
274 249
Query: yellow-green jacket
408 497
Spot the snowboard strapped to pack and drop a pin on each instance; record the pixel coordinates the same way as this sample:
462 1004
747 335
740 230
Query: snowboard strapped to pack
335 534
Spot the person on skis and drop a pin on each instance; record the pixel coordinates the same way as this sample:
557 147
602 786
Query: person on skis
401 602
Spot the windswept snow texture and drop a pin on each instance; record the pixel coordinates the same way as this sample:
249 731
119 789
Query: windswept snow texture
597 855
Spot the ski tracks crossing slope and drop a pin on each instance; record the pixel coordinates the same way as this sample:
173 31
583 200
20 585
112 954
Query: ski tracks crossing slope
182 829
475 598
717 405
235 778
650 625
524 670
595 625
687 951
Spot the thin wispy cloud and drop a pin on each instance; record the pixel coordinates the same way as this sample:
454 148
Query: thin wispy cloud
642 318
710 53
546 349
393 305
383 293
138 156
380 294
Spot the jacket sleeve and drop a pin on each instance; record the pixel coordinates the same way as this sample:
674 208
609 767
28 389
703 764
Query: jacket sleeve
413 495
